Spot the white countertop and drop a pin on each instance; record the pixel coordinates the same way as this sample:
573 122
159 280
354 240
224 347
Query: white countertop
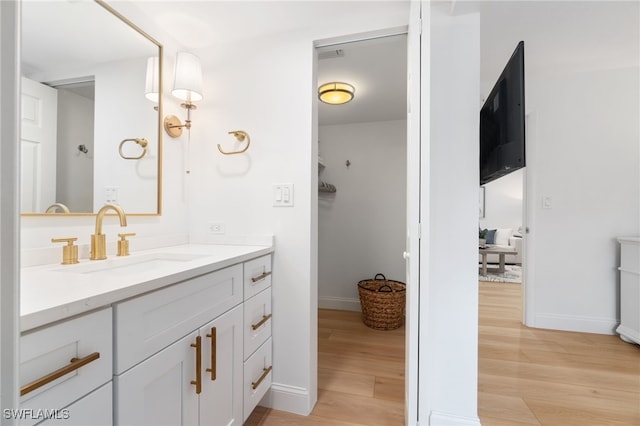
49 293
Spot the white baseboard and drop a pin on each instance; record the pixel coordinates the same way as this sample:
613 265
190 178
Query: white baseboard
289 398
339 303
576 323
447 419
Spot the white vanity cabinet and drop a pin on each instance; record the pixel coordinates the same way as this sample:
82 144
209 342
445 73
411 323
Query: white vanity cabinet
66 370
195 380
257 332
629 328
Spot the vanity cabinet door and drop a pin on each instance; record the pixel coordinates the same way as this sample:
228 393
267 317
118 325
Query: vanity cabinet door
158 391
221 396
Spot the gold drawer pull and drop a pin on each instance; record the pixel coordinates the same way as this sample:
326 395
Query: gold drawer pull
75 364
198 380
264 319
213 368
261 277
265 372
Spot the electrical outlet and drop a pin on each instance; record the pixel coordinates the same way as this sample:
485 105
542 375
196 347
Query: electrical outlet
216 228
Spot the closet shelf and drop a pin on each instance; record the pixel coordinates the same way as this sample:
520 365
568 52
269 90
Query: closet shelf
326 187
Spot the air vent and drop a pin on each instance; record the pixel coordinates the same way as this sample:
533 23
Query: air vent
329 54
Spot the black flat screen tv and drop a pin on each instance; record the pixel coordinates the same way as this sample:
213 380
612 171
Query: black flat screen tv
502 122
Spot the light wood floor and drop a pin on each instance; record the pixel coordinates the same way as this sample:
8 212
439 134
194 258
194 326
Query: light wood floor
526 376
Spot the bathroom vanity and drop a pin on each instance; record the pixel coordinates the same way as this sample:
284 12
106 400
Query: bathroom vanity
179 335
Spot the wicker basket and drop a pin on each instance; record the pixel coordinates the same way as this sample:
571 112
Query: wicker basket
382 302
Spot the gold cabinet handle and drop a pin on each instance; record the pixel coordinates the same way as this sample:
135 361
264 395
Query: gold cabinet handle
198 381
264 319
261 277
75 364
214 343
265 372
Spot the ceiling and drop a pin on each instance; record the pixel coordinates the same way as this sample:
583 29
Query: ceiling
559 36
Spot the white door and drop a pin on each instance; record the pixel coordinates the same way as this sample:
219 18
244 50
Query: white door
221 396
158 391
38 146
412 255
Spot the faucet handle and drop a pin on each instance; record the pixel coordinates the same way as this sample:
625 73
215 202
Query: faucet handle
69 252
123 244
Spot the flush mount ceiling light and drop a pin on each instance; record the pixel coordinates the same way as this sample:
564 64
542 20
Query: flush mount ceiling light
335 93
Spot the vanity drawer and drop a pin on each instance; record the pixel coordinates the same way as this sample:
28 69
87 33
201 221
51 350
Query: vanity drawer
88 339
257 377
149 323
257 275
257 321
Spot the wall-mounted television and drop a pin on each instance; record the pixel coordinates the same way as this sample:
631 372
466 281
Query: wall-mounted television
502 122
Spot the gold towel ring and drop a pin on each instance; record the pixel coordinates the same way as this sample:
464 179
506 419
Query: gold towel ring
240 136
140 141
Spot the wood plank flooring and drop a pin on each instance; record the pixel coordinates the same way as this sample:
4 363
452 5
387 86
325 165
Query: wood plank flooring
360 376
547 377
526 376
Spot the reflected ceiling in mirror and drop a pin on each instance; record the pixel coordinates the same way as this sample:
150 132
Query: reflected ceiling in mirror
84 69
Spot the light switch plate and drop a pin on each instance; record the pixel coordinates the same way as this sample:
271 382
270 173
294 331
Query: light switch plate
282 195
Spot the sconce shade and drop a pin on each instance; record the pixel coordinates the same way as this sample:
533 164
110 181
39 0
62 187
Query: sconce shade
336 93
187 84
152 82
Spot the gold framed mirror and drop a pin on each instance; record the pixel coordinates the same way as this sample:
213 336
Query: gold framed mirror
91 111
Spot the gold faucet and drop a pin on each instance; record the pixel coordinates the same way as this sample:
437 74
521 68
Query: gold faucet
99 240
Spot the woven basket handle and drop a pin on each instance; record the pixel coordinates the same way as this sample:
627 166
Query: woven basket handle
380 290
382 275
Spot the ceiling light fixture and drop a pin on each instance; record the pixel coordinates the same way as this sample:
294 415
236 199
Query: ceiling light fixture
335 93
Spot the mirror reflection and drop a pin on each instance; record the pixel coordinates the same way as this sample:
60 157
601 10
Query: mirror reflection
90 136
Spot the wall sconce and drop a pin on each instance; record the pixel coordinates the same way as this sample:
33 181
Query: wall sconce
336 93
152 80
187 86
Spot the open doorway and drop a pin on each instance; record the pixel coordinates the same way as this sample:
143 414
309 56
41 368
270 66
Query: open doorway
362 175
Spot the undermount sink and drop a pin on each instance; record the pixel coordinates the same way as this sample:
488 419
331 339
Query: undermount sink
129 264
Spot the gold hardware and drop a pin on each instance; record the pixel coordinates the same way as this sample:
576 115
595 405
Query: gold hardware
140 141
264 319
99 240
261 277
214 344
173 126
75 364
198 381
69 252
240 136
265 372
56 207
123 244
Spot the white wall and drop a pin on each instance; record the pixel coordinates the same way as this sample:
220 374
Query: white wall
448 254
503 202
74 172
267 87
362 226
586 157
